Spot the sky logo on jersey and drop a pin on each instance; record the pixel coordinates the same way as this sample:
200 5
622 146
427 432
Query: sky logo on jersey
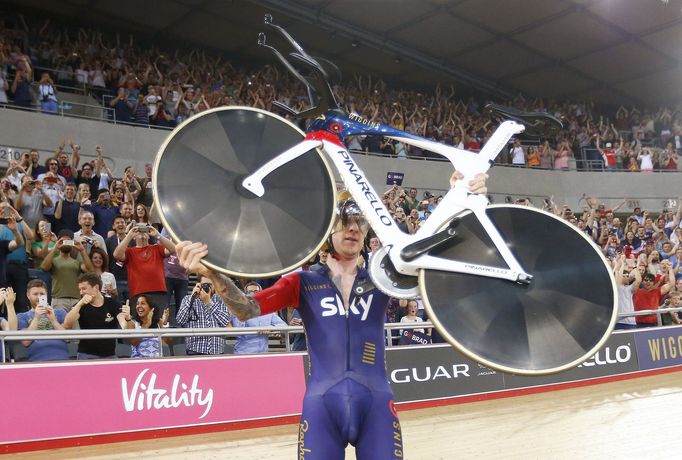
334 306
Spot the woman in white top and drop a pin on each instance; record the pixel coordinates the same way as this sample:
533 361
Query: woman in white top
4 87
96 77
518 154
646 161
100 261
411 317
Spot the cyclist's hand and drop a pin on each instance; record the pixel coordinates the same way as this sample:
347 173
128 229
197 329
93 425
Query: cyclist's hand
190 255
476 185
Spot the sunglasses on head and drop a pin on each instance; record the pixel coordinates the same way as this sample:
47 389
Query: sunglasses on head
349 212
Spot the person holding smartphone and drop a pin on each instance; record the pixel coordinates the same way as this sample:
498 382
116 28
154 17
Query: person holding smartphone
65 269
144 262
41 317
203 308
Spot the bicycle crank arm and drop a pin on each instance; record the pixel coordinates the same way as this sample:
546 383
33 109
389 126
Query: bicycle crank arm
418 248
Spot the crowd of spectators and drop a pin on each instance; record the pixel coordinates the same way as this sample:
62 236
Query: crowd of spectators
151 85
78 246
645 253
70 262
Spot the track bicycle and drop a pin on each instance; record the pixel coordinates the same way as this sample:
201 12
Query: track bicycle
513 287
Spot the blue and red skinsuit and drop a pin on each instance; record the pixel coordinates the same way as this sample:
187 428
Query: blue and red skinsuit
348 398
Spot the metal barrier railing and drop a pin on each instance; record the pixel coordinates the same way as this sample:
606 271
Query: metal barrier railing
108 114
65 109
83 334
286 331
659 312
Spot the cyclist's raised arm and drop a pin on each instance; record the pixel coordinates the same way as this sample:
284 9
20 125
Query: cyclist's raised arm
242 306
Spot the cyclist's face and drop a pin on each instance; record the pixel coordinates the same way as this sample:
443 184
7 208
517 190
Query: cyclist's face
349 240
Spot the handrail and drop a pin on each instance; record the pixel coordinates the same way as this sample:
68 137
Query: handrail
227 331
660 311
106 119
84 334
594 165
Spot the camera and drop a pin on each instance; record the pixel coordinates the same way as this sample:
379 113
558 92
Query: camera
143 228
206 287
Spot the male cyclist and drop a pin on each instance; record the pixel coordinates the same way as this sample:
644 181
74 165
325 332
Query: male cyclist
348 398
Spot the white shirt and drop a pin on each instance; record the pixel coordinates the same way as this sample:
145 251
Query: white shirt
99 241
416 319
3 93
645 162
108 278
518 157
46 91
625 304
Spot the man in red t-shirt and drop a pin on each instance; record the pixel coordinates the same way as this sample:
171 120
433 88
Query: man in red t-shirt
609 156
144 262
649 296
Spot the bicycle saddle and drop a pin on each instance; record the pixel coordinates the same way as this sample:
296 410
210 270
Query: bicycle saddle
535 122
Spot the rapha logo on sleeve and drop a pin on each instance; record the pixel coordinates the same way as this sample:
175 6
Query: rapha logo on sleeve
144 395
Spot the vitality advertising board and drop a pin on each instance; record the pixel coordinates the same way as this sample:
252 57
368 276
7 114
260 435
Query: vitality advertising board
660 347
137 395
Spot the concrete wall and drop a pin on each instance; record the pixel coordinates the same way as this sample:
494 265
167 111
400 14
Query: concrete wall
126 145
123 144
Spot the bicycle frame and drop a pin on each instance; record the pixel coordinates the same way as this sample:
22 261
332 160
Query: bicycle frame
326 133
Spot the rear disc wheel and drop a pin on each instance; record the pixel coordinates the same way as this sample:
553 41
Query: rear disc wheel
564 316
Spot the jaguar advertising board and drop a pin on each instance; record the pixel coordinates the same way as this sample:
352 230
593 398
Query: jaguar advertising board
421 373
432 372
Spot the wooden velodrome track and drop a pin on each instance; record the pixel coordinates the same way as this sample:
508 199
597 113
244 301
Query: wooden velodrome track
637 418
